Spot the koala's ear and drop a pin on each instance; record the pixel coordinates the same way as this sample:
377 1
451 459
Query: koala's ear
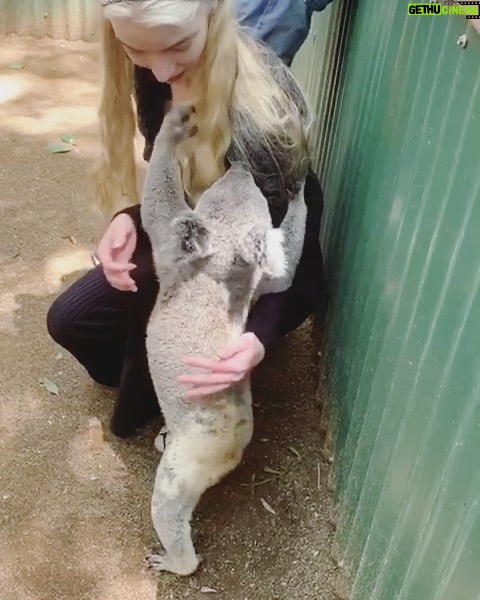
265 249
190 237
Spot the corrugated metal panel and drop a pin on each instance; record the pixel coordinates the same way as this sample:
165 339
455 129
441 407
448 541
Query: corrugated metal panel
403 257
63 19
317 68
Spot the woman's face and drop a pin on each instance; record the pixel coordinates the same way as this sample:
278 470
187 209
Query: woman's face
167 50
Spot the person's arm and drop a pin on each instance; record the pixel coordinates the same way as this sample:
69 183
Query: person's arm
275 315
143 254
281 24
265 317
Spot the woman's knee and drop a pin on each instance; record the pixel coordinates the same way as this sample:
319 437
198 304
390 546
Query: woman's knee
75 305
60 323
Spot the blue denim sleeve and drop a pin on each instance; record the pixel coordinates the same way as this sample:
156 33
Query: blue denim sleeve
282 24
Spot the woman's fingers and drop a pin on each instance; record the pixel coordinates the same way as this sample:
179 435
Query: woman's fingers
200 392
202 379
201 363
117 267
115 252
236 360
121 281
235 347
231 365
118 243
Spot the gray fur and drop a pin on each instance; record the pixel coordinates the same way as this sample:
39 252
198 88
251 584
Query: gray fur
209 263
293 228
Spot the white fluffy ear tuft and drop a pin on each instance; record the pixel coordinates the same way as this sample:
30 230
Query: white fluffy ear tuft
276 260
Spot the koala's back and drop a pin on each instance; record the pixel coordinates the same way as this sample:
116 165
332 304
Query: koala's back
194 322
194 319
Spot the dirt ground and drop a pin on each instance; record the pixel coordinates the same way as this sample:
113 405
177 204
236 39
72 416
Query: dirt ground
74 510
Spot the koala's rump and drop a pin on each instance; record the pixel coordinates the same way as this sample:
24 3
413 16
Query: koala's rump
209 443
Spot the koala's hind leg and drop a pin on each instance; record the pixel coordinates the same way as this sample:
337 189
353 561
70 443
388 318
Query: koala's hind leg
174 499
191 463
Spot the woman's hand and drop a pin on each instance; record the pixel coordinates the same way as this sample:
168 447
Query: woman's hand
115 252
233 364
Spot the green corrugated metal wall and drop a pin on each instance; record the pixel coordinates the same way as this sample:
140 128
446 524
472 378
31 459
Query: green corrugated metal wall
401 236
317 66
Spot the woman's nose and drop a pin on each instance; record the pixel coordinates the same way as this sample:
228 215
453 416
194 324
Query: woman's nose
163 69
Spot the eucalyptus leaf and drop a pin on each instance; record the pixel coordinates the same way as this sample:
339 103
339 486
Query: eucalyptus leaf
59 148
271 471
296 452
267 506
50 386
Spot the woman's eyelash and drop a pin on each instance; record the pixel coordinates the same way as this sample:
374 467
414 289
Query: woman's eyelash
182 47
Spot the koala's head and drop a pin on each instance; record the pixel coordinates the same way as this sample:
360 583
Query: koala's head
230 235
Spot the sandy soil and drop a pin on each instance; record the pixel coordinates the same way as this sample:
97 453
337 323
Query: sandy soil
74 506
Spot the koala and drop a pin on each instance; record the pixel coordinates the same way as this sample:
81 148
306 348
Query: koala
210 262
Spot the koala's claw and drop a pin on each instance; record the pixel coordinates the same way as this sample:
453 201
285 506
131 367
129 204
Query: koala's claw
180 122
153 558
158 562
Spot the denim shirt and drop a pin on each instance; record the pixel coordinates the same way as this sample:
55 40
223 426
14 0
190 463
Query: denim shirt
282 24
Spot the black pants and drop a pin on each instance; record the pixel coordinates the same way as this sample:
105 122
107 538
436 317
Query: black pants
104 329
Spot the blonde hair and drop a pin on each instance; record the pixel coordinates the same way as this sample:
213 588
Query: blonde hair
235 89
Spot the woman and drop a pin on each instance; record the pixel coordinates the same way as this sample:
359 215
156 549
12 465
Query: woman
247 105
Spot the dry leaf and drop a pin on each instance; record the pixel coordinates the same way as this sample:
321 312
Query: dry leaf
50 386
267 506
257 483
70 238
271 471
68 139
296 452
14 255
59 148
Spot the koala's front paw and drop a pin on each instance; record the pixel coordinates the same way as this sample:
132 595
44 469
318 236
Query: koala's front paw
180 125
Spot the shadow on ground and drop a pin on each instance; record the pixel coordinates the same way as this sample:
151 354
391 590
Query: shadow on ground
74 510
